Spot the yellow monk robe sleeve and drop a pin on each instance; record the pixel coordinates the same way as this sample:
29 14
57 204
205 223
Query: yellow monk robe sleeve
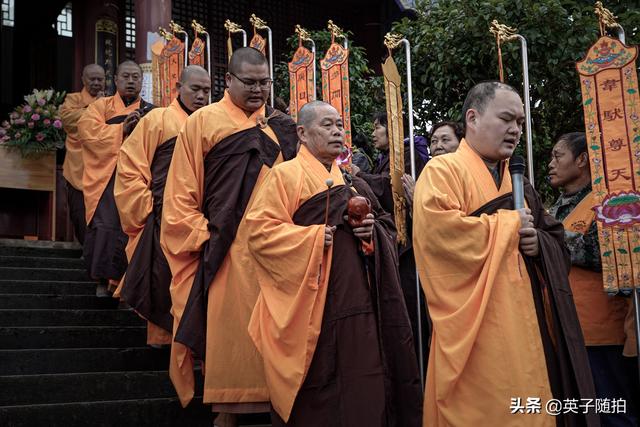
458 258
184 226
132 187
70 112
287 317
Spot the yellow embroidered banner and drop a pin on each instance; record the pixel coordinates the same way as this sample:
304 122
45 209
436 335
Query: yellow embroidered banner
392 82
609 85
301 82
156 53
196 53
335 90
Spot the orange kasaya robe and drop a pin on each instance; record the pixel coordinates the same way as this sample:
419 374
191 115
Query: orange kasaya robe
73 107
287 318
486 346
100 130
233 367
132 187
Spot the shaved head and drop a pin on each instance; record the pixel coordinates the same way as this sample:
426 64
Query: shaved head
126 64
191 71
481 94
93 79
308 112
246 55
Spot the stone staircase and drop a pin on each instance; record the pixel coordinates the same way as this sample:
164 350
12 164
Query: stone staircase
68 358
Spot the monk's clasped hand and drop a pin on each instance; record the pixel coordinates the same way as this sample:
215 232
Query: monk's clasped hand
529 241
328 235
365 231
409 185
130 122
526 219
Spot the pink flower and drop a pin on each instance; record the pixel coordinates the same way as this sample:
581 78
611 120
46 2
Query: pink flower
20 121
26 109
18 135
57 124
39 136
14 115
31 125
46 122
41 101
5 124
35 117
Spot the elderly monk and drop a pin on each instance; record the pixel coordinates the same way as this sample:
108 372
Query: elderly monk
330 321
74 106
141 174
220 159
505 327
102 128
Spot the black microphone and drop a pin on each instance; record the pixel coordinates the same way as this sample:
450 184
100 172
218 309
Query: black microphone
516 169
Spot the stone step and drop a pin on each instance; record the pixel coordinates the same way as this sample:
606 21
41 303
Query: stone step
55 274
41 262
24 337
87 387
34 301
49 317
82 360
160 412
47 287
44 252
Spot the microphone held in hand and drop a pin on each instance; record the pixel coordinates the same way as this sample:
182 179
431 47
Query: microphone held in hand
516 169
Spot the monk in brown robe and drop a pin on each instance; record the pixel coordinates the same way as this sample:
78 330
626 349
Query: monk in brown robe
73 107
505 328
102 128
221 157
141 174
330 321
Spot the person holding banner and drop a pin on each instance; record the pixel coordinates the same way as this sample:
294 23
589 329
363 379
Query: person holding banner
221 157
602 317
505 328
73 107
102 128
330 321
139 184
380 182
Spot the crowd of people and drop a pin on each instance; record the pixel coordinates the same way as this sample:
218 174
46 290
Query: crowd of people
278 274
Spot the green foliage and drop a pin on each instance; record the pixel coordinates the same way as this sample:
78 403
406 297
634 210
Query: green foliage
452 49
366 89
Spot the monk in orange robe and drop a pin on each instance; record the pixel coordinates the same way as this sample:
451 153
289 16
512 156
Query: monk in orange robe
73 107
221 157
505 328
102 129
141 174
330 322
602 316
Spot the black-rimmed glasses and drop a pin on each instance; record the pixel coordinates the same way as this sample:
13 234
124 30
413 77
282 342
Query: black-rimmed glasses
250 84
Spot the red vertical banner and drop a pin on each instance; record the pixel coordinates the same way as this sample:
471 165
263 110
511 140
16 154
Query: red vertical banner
196 53
171 63
609 85
335 90
301 84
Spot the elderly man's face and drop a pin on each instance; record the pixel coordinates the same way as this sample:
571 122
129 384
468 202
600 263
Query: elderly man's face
129 81
495 133
93 80
249 88
324 135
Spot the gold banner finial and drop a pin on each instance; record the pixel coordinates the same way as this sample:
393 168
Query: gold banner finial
198 28
165 33
503 34
257 22
392 41
175 27
606 19
232 27
302 33
335 31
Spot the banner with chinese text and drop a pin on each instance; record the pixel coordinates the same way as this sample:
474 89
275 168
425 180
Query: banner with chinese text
301 84
609 85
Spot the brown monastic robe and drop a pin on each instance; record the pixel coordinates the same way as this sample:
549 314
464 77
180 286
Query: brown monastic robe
73 107
141 174
100 129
